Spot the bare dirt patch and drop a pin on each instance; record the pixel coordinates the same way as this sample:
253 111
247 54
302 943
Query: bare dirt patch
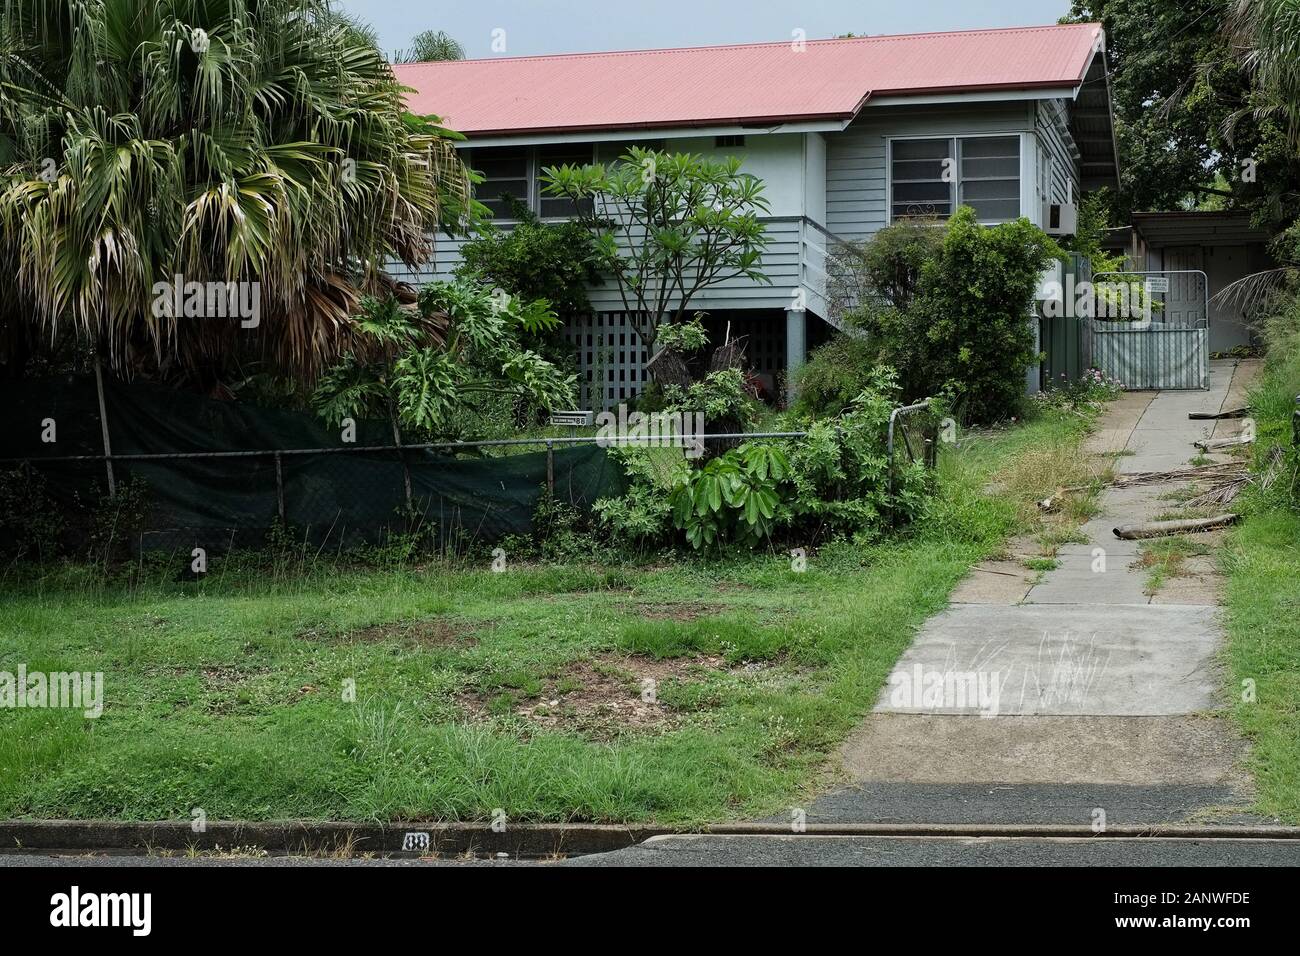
681 611
434 632
600 698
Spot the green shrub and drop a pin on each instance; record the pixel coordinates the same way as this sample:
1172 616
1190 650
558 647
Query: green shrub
31 521
723 398
977 297
840 471
949 308
733 498
641 518
555 261
886 269
835 375
834 481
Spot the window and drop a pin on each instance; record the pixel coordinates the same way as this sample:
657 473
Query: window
505 173
516 171
551 207
990 177
931 177
921 174
728 142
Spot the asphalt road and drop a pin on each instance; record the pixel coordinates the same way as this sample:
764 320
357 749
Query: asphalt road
806 850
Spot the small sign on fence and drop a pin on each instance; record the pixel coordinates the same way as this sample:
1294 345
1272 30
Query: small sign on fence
572 419
1157 284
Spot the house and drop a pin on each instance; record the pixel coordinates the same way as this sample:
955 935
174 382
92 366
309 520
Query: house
848 135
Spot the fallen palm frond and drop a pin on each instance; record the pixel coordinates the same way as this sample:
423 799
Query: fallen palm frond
1156 529
1222 470
1220 493
1222 481
1212 444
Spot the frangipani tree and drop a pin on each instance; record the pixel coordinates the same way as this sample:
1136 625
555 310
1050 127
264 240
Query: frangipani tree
246 141
667 227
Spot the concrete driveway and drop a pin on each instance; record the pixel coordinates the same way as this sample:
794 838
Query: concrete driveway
1080 683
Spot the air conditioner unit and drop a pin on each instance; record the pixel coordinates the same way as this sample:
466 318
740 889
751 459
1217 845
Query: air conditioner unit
1060 218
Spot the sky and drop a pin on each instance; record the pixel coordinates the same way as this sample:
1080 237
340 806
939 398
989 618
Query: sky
487 28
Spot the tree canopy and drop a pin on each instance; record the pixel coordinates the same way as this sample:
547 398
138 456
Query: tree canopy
245 141
1199 119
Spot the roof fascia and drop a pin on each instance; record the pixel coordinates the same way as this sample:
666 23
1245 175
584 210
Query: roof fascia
650 132
975 96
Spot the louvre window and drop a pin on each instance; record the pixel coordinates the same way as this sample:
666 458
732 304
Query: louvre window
931 177
551 207
505 173
516 171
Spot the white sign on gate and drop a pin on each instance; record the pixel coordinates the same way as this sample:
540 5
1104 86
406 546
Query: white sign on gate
1157 284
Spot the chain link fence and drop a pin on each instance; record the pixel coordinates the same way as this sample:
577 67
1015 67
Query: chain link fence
84 445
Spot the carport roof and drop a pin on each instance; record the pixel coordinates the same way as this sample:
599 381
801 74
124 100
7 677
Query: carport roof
1197 228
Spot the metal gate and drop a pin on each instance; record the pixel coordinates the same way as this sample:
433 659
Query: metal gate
1153 333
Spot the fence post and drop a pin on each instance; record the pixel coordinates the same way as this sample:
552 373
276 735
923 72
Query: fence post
406 469
279 487
103 426
550 468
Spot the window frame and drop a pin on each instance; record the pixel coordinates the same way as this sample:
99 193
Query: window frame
532 175
955 187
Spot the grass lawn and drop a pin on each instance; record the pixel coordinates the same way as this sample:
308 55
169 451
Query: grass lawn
1263 600
679 692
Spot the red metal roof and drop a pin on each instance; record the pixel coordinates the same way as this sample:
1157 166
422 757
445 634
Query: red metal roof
739 85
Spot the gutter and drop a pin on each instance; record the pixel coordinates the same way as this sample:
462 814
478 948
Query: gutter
415 839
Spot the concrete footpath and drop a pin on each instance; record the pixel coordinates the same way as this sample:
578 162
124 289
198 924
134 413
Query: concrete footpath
1074 694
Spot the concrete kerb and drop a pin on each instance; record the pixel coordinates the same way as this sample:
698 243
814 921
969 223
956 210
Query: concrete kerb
531 840
319 838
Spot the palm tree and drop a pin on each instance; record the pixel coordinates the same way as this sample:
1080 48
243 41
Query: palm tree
430 46
1266 34
250 141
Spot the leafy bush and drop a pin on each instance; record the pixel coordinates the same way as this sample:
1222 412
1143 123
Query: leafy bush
833 482
886 269
34 525
840 471
432 371
31 521
686 336
722 396
642 518
949 308
555 261
835 375
977 297
1272 399
732 498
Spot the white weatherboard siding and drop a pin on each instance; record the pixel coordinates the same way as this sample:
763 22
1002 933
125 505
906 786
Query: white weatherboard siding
814 177
781 262
857 175
775 159
1055 143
